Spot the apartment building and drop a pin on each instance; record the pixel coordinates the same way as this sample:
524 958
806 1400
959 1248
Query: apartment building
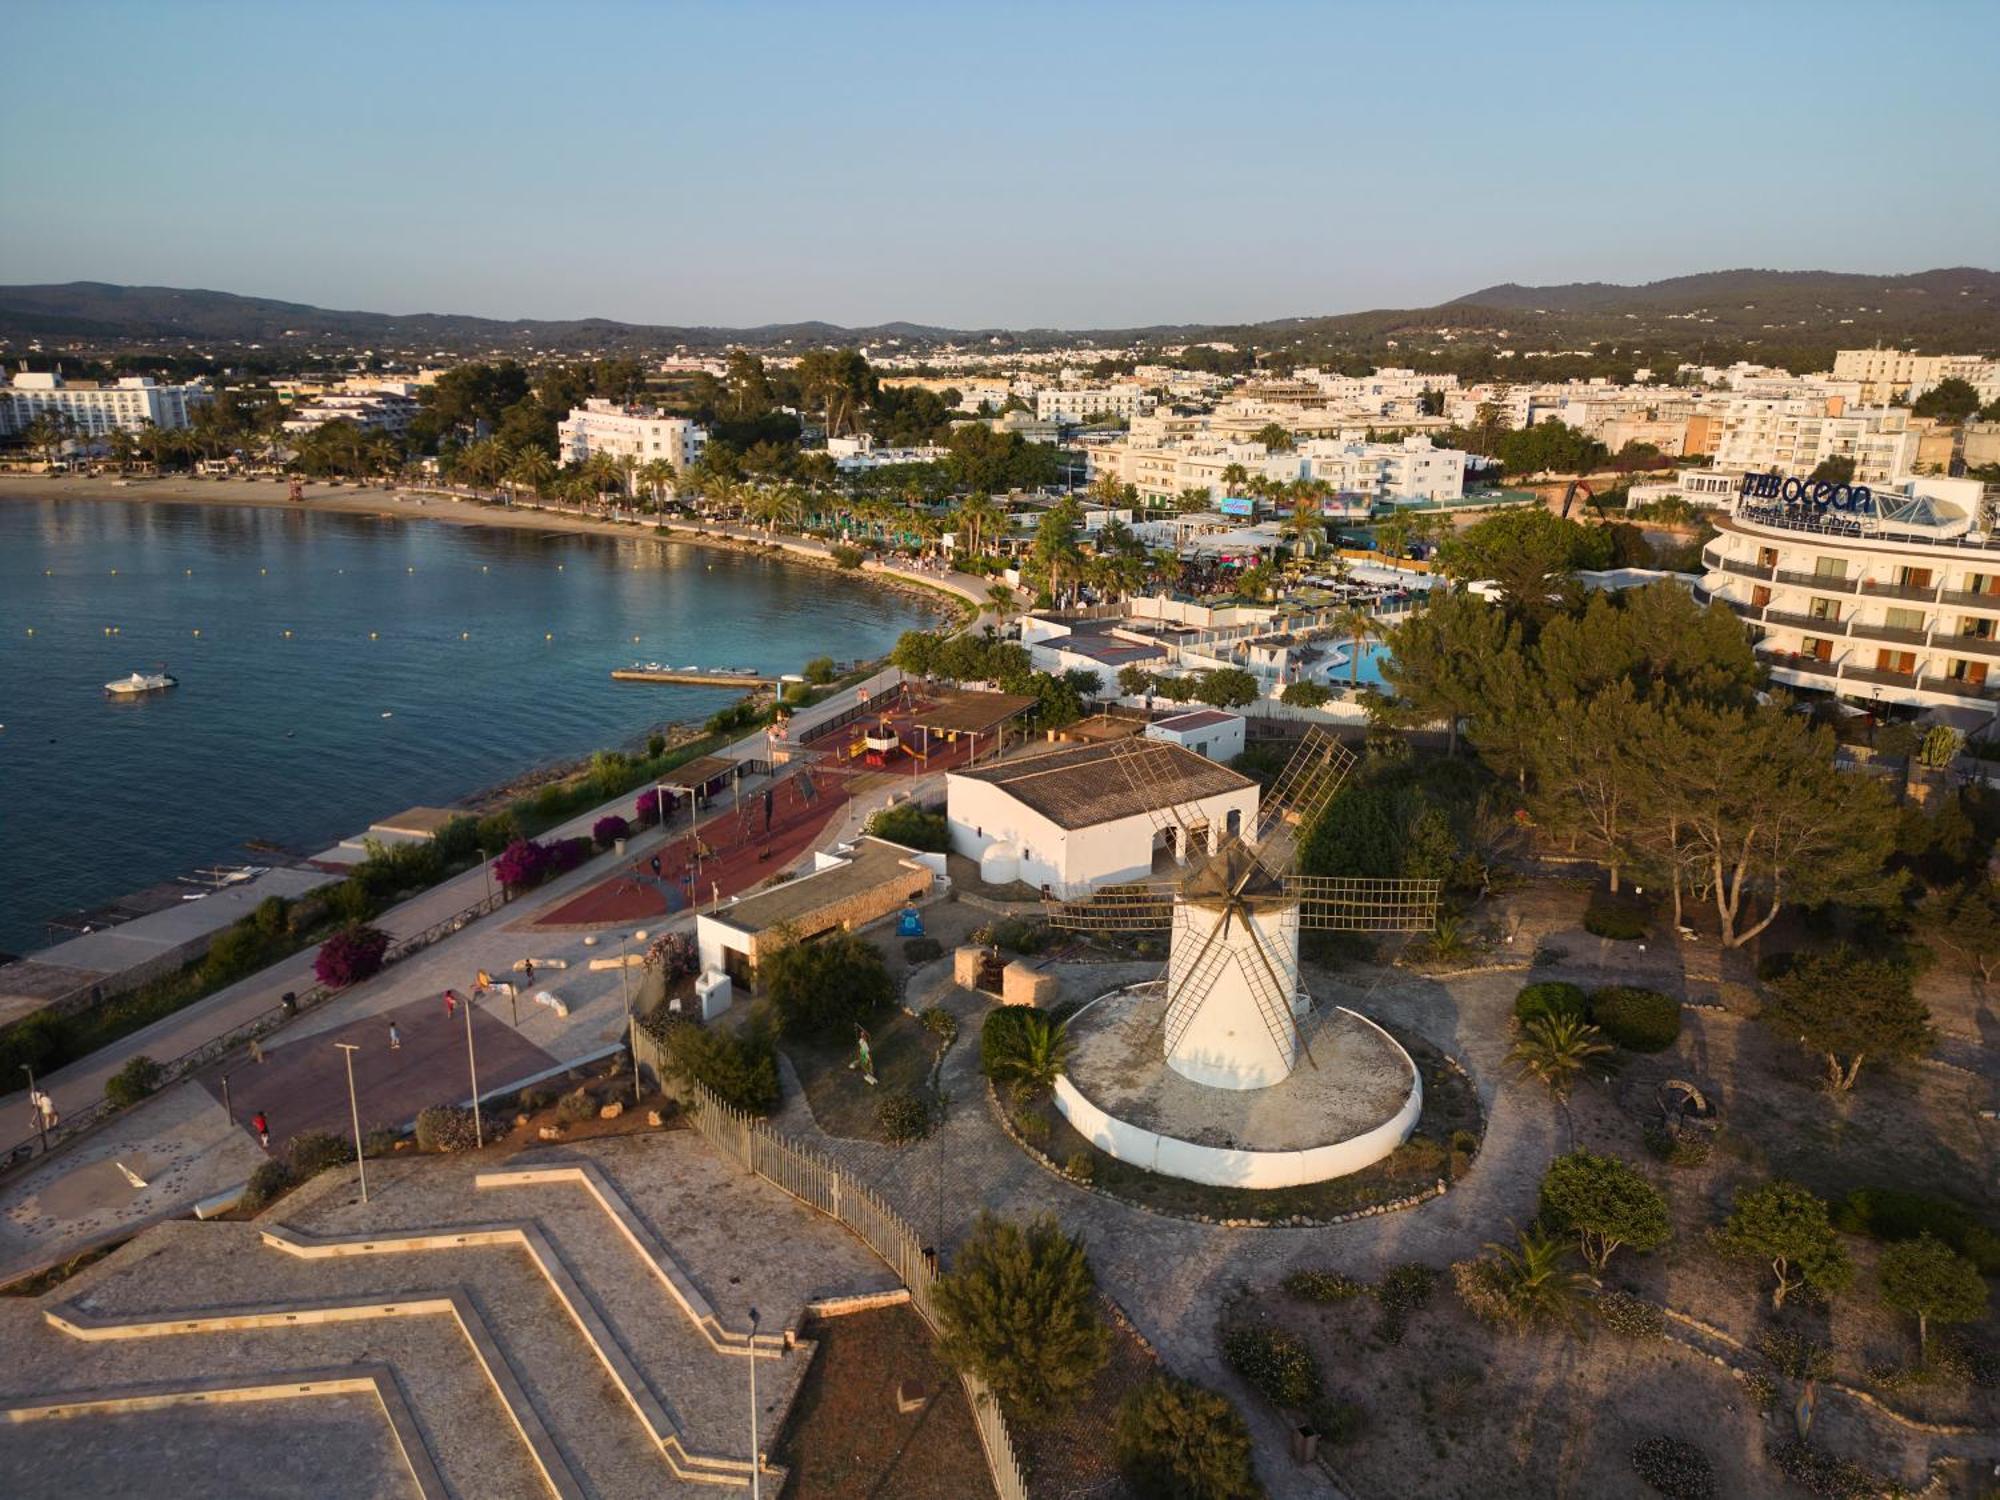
1085 403
1413 469
1795 436
1161 469
1898 374
1879 596
374 411
133 403
639 432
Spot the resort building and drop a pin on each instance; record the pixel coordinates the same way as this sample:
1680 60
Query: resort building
1413 469
1089 402
372 411
1882 597
1900 375
1212 732
643 433
1074 818
134 403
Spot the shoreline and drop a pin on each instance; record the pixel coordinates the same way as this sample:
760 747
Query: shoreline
398 503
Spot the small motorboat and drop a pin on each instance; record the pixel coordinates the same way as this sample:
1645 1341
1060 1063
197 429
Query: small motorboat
141 682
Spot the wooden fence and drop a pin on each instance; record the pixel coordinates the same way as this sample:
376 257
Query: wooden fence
819 1183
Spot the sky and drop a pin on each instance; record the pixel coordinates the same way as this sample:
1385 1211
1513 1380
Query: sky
1084 164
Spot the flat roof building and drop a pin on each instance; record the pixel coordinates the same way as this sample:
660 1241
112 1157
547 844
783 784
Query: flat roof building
133 404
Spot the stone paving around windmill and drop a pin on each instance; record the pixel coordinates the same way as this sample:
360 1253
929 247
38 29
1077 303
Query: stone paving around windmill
580 1331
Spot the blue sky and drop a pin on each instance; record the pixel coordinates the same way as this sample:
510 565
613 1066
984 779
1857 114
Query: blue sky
1079 164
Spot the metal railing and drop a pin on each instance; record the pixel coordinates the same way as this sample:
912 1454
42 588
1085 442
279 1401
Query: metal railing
817 1182
81 1122
1919 593
1832 583
1894 634
1964 599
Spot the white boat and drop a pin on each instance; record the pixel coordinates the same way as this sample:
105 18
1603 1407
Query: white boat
141 682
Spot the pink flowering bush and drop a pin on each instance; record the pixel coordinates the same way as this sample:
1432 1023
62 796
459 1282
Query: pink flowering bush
351 955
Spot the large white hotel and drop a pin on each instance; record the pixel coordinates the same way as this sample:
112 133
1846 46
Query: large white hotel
637 432
1881 597
132 404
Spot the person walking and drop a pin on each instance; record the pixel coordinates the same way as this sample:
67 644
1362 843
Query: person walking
528 973
263 1128
395 1038
450 1004
256 1050
656 866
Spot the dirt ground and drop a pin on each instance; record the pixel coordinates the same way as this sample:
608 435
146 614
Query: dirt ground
842 1100
845 1439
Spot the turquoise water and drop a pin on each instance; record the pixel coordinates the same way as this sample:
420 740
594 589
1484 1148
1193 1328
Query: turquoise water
418 669
1372 655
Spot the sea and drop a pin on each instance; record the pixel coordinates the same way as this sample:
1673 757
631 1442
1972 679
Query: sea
334 669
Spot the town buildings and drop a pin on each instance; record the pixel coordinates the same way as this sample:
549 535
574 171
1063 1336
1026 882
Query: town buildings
1795 436
377 410
641 433
132 404
1888 375
1085 404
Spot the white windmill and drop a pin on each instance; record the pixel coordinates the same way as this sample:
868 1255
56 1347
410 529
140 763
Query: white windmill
1234 1002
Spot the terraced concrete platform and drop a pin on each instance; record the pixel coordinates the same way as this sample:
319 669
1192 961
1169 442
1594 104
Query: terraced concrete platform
572 1324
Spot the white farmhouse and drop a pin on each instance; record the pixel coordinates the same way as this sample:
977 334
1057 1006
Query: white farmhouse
1212 732
1078 817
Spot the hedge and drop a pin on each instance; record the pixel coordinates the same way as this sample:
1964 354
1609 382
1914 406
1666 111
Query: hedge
1615 920
1551 997
1638 1020
1891 1214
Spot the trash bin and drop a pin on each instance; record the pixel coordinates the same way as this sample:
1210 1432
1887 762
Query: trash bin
1305 1444
618 846
291 1003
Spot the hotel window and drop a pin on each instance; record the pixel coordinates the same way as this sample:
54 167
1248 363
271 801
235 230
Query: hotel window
1829 567
1824 609
1970 627
1914 578
1973 672
1983 583
1819 650
1904 662
1760 596
1767 557
1903 619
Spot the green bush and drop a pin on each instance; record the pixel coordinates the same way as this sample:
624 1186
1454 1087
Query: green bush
1180 1441
576 1106
1688 1150
847 557
1820 1473
1795 1356
1323 1286
312 1152
827 987
1629 1316
1019 935
1614 919
1551 997
1022 1045
904 1115
1638 1020
446 1127
1670 1467
741 1070
1019 1308
940 1023
1276 1363
32 1042
267 1184
1891 1214
922 950
913 827
1405 1290
1081 1166
133 1082
380 1140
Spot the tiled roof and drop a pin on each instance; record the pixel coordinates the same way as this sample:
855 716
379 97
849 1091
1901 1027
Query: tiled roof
1081 786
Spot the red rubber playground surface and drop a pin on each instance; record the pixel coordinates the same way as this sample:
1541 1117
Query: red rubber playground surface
738 854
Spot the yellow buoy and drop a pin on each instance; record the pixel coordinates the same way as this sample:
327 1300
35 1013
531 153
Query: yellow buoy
31 630
263 572
190 572
559 567
409 570
114 572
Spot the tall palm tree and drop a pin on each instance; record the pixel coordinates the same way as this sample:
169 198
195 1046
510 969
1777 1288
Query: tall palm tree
1556 1050
1305 527
1001 597
628 471
532 470
1357 625
976 518
656 474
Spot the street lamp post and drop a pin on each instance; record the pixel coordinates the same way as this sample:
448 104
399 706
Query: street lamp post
354 1108
756 1468
631 1018
227 1113
472 1065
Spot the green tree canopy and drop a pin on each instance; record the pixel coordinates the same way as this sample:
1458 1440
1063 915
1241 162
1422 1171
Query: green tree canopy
1932 1282
1605 1203
1849 1006
1784 1226
1952 400
1530 556
823 987
1019 1309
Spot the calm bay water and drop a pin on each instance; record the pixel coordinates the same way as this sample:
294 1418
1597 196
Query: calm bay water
284 738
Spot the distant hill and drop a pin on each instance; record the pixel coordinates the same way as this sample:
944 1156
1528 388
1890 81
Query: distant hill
1955 309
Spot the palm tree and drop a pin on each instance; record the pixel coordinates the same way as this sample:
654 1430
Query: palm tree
1305 526
1001 598
656 474
976 518
531 470
1357 624
1032 1053
1235 477
1535 1282
1556 1050
628 470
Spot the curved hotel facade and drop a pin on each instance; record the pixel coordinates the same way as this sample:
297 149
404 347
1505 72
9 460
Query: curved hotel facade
1879 597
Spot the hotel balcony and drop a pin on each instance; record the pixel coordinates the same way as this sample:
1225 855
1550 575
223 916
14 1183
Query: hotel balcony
1958 687
1966 645
1812 623
1880 675
1964 600
1793 662
1923 594
1740 569
1826 582
1893 634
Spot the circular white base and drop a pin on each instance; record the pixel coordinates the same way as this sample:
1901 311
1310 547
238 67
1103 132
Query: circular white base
1353 1103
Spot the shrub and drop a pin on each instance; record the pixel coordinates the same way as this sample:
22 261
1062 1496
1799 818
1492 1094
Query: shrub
921 950
646 811
741 1069
904 1115
940 1023
1822 1474
846 557
576 1106
1629 1316
565 855
827 987
1896 1214
913 827
608 829
1275 1362
238 950
1018 935
1605 1204
1323 1286
1551 997
133 1082
380 1140
445 1127
1023 1046
674 954
1080 1167
534 1099
1180 1441
522 865
1795 1356
312 1152
1019 1308
457 840
352 954
1673 1468
656 746
267 1184
1405 1290
1615 920
1781 1226
496 831
1688 1150
1636 1019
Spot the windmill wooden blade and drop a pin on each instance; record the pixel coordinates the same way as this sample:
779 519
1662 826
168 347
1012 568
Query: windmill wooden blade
1301 793
1187 990
1342 903
1144 907
1197 984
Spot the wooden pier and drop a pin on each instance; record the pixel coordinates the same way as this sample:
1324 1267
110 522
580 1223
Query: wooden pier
691 677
